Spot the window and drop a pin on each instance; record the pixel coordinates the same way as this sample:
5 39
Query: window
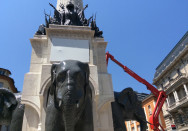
1 85
171 99
162 86
179 72
149 109
181 121
170 79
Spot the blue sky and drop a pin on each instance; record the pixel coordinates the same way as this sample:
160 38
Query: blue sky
140 33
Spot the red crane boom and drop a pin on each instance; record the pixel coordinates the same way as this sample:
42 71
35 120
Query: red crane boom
160 95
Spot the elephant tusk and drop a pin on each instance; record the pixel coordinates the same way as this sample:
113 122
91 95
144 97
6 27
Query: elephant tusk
60 102
77 105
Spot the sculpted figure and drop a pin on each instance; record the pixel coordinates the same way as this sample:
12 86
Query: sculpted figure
69 102
68 16
57 16
41 30
11 110
71 16
94 27
127 107
17 117
7 104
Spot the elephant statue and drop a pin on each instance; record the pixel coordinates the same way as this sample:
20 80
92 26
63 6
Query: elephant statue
127 107
11 110
7 104
69 99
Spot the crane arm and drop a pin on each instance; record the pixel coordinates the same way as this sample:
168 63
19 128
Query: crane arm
160 95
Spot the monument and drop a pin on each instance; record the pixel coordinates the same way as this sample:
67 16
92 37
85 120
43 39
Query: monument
67 36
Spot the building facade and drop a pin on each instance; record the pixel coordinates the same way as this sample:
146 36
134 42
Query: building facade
172 77
6 81
148 104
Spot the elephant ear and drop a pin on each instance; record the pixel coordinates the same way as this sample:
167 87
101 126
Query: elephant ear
87 73
124 97
52 87
53 78
9 98
85 66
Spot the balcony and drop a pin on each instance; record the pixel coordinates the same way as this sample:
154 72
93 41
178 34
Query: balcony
172 105
182 99
177 99
180 120
181 93
176 105
173 81
171 100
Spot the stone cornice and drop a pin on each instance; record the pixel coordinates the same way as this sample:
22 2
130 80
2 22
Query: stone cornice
70 31
176 84
170 66
175 54
38 40
5 70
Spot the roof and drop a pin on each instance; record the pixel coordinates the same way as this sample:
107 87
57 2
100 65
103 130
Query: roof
9 80
141 96
174 53
5 70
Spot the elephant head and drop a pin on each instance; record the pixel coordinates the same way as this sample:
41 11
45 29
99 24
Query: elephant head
70 90
127 107
127 99
8 103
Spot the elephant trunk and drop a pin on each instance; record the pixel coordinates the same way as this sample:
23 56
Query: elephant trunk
69 100
69 118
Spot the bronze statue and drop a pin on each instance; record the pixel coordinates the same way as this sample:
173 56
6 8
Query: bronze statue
94 27
11 110
69 102
69 15
127 107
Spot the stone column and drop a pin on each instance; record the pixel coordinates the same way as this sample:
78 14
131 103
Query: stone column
185 87
75 2
176 96
39 126
167 101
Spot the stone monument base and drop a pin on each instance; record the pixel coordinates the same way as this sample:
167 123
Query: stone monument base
54 47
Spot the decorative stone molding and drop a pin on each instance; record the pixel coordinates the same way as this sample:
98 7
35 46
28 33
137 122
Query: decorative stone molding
33 105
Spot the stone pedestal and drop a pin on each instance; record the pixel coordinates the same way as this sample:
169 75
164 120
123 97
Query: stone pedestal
55 47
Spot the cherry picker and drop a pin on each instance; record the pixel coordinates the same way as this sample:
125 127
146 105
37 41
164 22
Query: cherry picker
160 95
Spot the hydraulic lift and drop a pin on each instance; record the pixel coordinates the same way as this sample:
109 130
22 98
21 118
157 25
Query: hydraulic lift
160 95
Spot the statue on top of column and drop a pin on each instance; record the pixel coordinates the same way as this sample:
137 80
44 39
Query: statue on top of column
94 27
71 17
68 15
